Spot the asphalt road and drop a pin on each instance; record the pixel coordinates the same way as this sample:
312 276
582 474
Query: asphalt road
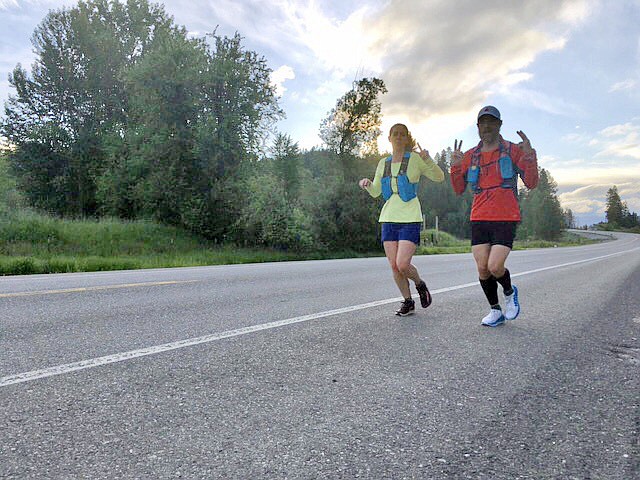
300 370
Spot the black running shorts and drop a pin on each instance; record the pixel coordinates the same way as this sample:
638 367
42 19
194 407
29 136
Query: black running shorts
494 233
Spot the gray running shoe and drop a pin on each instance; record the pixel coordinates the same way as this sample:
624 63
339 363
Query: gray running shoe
425 296
407 307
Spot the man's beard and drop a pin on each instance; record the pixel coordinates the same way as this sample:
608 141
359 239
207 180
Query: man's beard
490 138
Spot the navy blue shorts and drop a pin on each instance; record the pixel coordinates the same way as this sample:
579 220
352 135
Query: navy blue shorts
394 232
494 233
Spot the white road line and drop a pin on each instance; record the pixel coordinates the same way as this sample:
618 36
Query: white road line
143 352
92 289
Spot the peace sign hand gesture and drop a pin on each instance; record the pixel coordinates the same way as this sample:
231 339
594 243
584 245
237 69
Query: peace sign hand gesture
457 155
424 154
525 144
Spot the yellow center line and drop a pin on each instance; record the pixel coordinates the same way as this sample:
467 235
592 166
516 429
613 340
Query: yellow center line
90 289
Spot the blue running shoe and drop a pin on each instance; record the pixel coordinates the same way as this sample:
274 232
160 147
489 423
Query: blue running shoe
494 318
512 306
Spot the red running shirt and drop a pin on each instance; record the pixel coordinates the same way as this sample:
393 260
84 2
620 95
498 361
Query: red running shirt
494 203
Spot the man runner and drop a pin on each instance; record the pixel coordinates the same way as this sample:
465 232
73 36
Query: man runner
491 169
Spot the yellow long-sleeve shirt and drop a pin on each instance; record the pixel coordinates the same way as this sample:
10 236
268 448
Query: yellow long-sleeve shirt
395 209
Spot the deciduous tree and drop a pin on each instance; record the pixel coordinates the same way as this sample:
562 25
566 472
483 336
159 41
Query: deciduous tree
353 126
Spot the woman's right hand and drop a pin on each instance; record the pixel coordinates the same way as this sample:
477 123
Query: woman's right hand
364 183
457 155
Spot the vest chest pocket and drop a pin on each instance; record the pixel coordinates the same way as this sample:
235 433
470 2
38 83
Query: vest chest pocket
473 173
506 167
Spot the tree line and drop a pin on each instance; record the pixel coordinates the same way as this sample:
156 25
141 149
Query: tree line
124 115
617 212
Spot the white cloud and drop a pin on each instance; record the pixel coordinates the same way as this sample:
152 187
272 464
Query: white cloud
515 78
540 101
551 162
437 62
305 33
588 175
583 205
634 204
590 198
440 67
5 4
621 140
628 84
584 181
621 129
578 138
576 12
587 202
281 75
338 45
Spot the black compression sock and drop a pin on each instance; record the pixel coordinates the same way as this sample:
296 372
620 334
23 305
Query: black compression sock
490 287
505 281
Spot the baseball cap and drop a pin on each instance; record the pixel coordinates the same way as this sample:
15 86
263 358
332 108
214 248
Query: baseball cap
489 110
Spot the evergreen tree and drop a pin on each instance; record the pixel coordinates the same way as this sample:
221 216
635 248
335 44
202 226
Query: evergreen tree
632 221
542 215
439 200
615 210
569 219
286 164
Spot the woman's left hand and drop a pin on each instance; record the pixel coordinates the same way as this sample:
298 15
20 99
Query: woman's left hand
424 154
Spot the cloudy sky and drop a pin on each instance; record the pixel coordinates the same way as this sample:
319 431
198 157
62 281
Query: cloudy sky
567 72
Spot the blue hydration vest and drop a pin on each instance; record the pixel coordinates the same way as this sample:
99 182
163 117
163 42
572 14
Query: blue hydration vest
406 189
508 170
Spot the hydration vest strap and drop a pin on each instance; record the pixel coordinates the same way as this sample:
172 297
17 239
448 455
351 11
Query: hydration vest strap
402 181
387 167
510 170
403 166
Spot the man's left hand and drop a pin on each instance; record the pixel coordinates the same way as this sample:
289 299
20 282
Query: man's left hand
525 144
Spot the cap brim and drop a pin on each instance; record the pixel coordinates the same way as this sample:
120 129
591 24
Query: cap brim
488 115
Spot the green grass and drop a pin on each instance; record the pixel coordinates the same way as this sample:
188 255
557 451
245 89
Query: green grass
568 239
34 243
444 243
436 243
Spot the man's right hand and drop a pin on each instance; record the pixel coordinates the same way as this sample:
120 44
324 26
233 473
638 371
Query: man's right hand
457 155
